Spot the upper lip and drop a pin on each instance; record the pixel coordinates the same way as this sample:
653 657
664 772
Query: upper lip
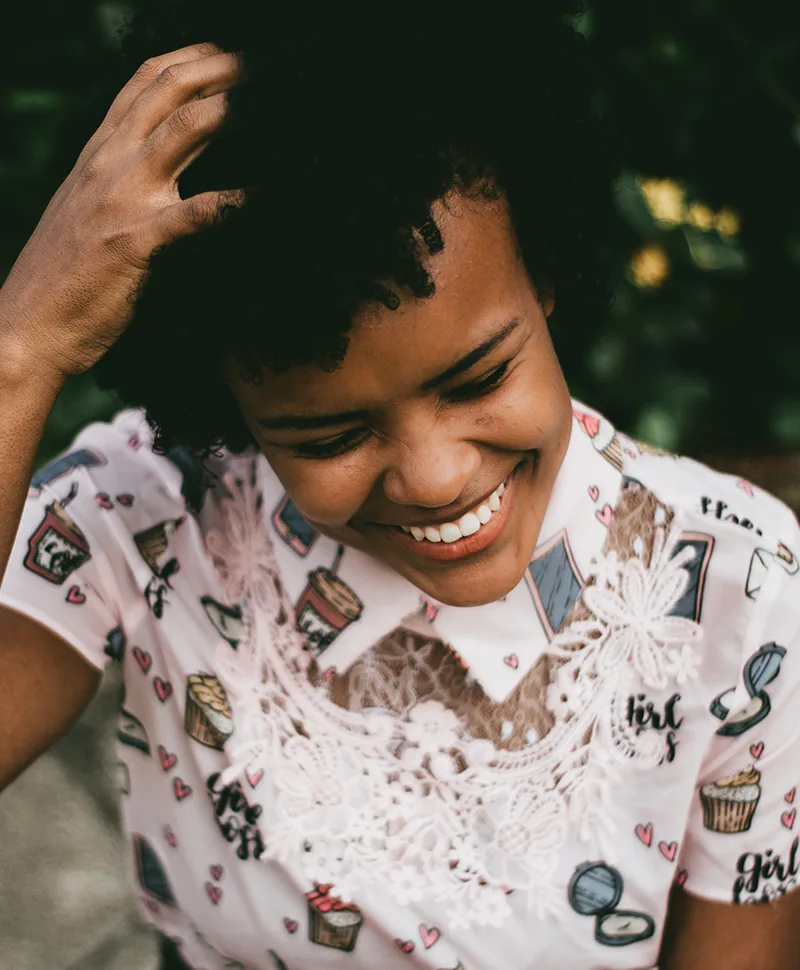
451 517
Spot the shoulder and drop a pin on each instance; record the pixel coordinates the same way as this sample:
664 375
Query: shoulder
744 579
113 466
739 516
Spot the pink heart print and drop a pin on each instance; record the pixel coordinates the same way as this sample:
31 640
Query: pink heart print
143 658
512 661
169 835
214 892
103 501
254 777
181 789
290 924
644 833
216 872
745 486
407 946
133 441
789 796
163 688
680 876
330 673
126 499
756 750
75 595
429 935
604 515
668 850
787 818
168 760
594 492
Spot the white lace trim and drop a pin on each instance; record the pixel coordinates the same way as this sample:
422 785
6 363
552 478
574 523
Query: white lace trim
412 803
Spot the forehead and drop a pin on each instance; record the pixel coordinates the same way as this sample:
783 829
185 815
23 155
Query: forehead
480 284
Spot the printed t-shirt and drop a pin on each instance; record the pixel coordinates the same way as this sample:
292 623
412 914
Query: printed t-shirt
321 767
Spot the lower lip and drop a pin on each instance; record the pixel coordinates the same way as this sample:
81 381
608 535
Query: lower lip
469 545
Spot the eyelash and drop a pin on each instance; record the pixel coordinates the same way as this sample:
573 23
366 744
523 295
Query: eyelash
349 440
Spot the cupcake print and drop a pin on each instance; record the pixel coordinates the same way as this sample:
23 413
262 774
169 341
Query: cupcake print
332 922
730 803
208 714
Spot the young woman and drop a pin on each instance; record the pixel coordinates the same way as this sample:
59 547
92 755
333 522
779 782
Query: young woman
425 664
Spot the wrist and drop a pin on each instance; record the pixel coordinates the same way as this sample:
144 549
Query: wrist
22 367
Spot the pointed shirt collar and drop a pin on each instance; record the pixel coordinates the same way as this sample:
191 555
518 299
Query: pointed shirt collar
346 601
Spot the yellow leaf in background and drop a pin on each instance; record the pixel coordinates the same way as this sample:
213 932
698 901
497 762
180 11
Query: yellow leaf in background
649 267
728 223
665 200
701 216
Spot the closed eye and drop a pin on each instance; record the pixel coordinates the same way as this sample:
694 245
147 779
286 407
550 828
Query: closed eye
480 387
332 447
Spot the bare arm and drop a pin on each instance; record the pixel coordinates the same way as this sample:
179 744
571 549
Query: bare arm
66 300
26 399
701 934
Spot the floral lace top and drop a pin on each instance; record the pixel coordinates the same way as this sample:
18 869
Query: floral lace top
319 767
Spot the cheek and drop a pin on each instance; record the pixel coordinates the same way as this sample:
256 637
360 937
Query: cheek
532 415
327 493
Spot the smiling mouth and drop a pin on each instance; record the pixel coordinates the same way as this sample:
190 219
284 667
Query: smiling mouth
448 541
469 523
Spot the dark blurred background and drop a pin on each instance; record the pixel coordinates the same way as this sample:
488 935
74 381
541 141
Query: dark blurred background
700 353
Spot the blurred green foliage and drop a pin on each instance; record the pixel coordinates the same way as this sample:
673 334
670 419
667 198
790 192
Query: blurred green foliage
701 350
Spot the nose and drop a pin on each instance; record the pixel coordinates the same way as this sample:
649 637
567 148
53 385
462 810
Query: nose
431 470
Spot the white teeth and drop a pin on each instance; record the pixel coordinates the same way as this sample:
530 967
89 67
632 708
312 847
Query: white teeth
469 524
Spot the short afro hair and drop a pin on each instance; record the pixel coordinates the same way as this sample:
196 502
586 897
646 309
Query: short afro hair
345 132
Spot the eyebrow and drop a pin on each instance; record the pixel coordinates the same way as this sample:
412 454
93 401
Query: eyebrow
308 422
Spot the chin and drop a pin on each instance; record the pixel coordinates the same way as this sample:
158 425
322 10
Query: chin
471 590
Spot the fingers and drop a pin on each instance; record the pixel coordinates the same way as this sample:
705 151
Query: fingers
178 141
192 215
177 85
149 71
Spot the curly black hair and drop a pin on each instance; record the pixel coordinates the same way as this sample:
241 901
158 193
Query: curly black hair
346 131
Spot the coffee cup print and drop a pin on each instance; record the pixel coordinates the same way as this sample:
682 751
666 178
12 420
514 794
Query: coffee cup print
594 890
326 607
58 547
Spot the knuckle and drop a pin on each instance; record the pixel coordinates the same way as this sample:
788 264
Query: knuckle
208 49
91 169
185 118
202 209
148 70
173 75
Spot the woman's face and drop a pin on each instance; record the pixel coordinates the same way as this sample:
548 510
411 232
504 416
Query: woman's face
435 406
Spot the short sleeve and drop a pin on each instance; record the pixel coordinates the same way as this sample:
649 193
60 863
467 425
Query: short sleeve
741 844
63 572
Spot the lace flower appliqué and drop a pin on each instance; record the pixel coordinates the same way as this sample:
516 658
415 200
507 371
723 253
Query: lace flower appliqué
409 803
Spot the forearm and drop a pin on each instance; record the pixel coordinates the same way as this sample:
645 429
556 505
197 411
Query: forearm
28 390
